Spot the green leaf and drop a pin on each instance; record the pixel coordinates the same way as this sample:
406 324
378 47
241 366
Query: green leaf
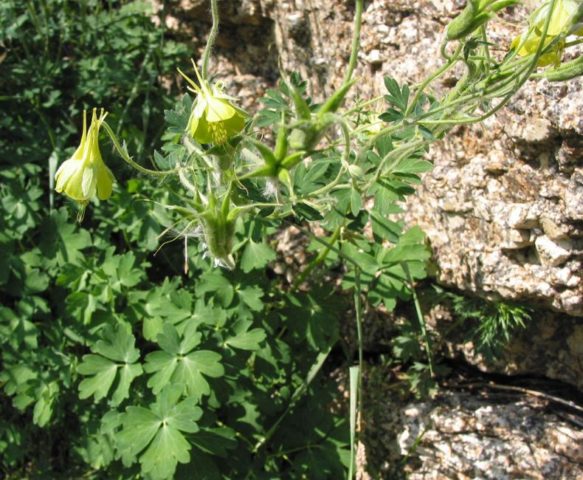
216 441
247 340
256 255
385 229
158 431
220 287
43 409
179 364
252 296
114 353
62 239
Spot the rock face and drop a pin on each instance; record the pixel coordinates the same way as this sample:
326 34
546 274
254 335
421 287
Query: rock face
482 430
468 437
503 207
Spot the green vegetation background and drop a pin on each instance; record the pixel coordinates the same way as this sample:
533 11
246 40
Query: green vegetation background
88 310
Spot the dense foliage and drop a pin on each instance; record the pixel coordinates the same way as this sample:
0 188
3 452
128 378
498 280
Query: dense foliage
126 350
98 326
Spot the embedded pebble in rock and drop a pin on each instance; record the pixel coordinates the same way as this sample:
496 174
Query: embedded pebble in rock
553 253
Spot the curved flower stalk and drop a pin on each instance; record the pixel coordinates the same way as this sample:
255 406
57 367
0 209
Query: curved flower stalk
473 16
85 175
214 119
563 22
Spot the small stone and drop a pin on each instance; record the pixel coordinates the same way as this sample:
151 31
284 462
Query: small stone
537 131
552 230
571 303
521 216
374 57
514 239
552 253
566 277
568 443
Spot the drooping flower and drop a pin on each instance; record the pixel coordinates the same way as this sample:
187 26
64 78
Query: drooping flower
85 175
563 22
214 118
565 14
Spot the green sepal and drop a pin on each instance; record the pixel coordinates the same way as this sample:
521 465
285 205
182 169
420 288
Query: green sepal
280 150
497 6
265 151
334 102
301 106
262 171
292 160
461 25
284 177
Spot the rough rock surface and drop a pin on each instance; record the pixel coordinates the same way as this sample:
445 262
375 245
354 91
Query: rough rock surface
503 207
462 434
471 437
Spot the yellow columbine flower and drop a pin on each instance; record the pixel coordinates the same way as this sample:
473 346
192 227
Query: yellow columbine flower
563 18
84 175
563 22
214 119
529 44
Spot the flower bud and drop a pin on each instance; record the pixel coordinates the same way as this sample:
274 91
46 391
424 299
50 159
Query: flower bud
219 222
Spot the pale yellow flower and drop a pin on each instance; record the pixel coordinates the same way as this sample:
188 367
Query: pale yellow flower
85 176
214 118
563 22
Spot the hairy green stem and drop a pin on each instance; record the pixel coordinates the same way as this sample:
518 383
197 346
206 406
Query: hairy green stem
451 61
359 338
126 158
211 39
355 42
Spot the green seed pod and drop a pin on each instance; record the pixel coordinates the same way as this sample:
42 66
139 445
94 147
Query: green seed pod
302 108
461 25
219 234
566 71
303 137
292 160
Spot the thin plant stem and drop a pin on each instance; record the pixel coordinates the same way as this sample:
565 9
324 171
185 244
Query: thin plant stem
420 319
126 158
316 261
357 407
355 41
211 39
358 317
435 75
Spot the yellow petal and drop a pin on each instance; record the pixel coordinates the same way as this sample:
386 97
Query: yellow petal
202 134
65 172
105 181
219 110
88 183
